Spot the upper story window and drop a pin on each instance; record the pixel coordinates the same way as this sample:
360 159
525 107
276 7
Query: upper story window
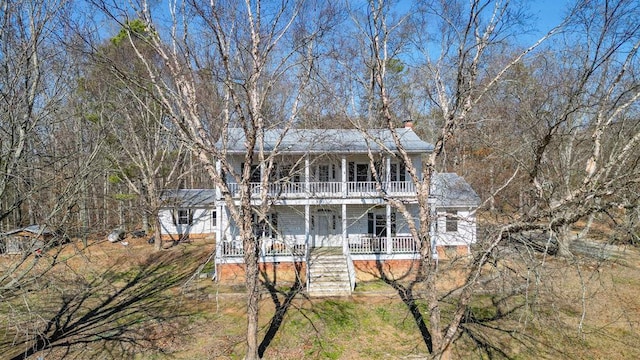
357 172
287 173
325 173
451 221
398 172
254 177
362 172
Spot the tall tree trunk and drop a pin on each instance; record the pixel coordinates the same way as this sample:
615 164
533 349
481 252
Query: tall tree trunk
84 213
251 258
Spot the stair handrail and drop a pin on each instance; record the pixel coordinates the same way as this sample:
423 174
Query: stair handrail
307 256
351 270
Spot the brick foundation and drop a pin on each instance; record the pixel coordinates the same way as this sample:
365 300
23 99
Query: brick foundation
283 272
451 252
188 237
367 270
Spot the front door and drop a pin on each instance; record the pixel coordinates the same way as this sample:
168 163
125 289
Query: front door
326 232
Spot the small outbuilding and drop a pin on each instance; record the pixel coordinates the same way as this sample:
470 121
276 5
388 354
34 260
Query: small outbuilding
33 238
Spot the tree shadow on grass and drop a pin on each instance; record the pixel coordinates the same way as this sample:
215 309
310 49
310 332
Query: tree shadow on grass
405 284
282 300
113 314
481 322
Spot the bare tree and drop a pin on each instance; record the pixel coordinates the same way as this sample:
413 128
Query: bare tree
456 79
36 176
142 150
248 49
23 104
577 168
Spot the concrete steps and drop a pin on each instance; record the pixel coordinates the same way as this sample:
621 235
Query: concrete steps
328 273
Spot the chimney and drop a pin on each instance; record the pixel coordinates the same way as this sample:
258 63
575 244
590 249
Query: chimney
408 124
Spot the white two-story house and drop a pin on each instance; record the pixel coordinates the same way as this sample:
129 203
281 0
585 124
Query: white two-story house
324 195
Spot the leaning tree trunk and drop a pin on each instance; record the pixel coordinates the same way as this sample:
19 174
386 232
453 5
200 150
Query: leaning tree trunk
565 238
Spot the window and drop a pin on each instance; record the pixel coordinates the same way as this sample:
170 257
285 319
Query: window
362 172
267 228
379 171
289 173
214 218
323 173
398 172
255 173
393 223
380 225
184 217
451 221
377 224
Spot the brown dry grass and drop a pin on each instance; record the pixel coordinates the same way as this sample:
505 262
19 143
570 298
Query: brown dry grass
579 309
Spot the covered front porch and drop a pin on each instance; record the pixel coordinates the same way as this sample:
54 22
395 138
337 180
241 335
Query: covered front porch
290 233
356 245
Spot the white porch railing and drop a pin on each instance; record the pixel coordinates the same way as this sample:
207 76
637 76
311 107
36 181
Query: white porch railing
231 249
356 245
327 189
368 245
274 189
269 247
404 244
380 245
400 187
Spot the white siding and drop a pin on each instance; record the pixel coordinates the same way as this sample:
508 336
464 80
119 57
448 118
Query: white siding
357 220
466 233
291 223
203 223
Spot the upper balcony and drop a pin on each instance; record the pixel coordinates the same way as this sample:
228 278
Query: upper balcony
329 190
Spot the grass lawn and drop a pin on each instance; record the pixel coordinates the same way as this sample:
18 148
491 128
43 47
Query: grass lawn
114 301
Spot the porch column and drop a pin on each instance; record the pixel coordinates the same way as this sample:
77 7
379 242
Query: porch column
219 255
219 172
306 175
345 242
344 176
306 225
387 174
433 228
219 209
389 242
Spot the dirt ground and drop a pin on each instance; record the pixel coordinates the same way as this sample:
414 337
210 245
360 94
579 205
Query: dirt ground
127 301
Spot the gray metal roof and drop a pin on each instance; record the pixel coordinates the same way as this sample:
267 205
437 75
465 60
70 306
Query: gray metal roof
303 141
450 189
187 198
34 229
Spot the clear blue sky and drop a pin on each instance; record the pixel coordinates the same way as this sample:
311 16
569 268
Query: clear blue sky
548 13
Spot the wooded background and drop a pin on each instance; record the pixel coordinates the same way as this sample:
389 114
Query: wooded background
87 143
105 104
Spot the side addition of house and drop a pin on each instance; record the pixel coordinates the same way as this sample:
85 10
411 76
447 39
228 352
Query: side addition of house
188 214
